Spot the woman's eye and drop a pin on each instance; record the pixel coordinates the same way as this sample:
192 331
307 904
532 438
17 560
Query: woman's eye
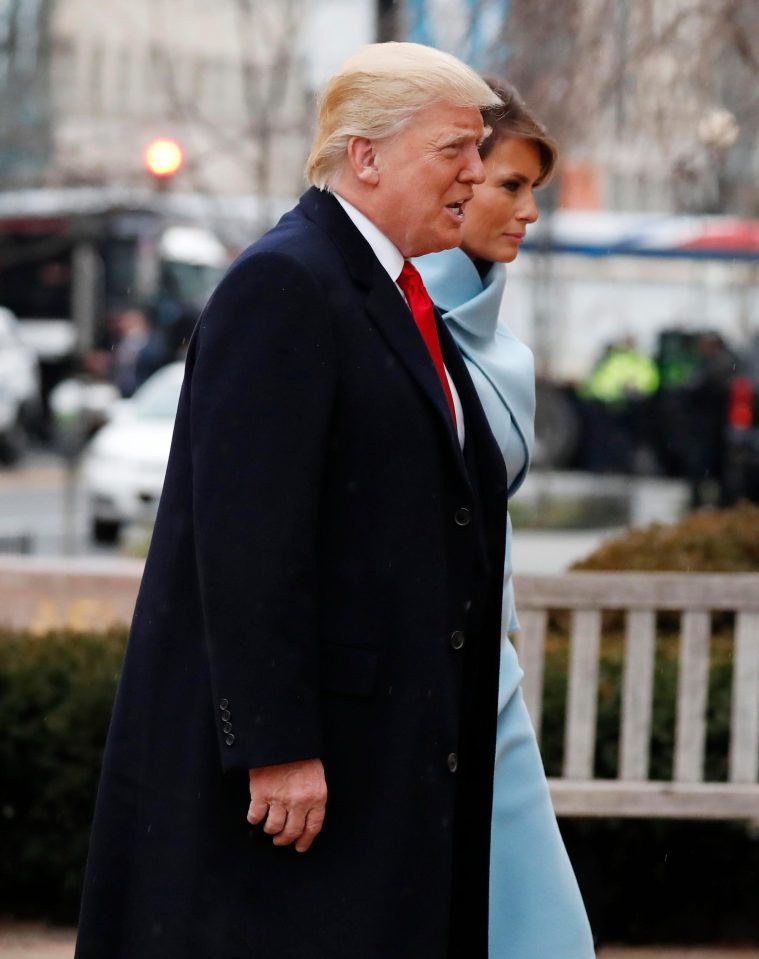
512 185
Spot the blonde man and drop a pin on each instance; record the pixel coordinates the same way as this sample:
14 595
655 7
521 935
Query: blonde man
316 637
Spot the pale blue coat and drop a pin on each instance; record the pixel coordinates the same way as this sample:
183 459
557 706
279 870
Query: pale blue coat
536 910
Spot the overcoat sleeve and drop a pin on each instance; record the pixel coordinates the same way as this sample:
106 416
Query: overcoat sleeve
262 388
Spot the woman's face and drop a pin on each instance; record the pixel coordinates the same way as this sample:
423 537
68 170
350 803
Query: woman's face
496 218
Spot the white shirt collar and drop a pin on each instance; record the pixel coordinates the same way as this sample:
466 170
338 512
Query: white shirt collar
385 250
392 260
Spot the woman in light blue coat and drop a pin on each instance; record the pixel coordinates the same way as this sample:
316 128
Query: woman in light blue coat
536 910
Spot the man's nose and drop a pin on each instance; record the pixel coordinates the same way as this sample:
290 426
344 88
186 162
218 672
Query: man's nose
473 171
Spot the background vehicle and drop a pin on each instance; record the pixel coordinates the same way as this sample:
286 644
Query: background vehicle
72 259
124 465
741 469
19 389
586 279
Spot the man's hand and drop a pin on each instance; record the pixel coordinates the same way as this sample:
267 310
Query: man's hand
292 798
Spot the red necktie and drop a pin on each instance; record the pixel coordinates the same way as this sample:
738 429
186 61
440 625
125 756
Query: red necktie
424 316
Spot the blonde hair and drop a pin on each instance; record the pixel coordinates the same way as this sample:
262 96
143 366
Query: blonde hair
377 92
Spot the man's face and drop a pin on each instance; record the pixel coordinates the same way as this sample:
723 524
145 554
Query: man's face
426 174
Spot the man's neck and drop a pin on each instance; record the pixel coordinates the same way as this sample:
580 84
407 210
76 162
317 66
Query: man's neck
388 254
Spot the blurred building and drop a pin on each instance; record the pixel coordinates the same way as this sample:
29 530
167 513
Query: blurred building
653 101
84 87
675 117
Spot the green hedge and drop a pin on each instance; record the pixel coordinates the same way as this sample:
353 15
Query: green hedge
609 694
643 881
56 693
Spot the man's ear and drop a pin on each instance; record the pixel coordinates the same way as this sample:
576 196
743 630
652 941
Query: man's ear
363 160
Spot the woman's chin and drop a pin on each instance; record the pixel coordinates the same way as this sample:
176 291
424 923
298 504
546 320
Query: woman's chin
508 255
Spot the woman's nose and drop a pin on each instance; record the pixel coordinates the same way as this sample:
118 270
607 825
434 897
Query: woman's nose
529 210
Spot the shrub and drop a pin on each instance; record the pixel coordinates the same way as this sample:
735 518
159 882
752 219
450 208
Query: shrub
56 694
705 541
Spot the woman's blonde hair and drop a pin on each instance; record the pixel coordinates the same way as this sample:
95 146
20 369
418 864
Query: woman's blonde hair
377 92
512 118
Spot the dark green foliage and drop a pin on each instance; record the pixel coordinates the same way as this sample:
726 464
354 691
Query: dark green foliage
665 881
609 696
56 694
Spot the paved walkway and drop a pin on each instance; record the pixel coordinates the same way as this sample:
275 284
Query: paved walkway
32 941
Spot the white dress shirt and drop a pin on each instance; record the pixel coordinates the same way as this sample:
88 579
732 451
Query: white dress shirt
391 259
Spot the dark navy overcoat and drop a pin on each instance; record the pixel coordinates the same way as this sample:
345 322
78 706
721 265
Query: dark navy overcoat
324 580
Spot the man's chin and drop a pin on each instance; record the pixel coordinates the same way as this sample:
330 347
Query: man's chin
439 242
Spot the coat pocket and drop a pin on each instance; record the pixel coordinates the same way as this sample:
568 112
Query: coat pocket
348 670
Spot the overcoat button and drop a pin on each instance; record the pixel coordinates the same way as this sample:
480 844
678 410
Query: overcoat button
225 714
457 638
462 516
453 762
227 727
229 739
223 704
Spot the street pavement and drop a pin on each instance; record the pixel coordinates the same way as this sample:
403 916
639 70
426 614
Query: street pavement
31 941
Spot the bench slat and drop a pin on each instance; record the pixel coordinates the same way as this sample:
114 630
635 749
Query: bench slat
582 694
637 694
611 797
674 591
692 686
744 724
531 653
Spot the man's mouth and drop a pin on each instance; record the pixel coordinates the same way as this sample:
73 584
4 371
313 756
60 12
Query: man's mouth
457 209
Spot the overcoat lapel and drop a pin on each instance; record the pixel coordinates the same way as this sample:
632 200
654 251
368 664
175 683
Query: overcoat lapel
483 460
384 305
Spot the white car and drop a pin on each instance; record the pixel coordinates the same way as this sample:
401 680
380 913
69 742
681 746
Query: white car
124 465
19 388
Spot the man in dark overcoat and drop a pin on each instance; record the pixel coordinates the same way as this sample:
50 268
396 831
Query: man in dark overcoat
299 764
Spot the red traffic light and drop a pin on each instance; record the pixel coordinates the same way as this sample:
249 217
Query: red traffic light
163 158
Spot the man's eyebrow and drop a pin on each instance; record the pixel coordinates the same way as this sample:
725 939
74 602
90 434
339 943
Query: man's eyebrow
453 139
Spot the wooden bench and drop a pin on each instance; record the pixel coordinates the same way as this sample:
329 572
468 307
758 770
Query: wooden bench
641 596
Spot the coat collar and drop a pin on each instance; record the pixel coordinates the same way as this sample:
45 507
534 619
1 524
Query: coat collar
470 301
323 209
471 307
386 307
